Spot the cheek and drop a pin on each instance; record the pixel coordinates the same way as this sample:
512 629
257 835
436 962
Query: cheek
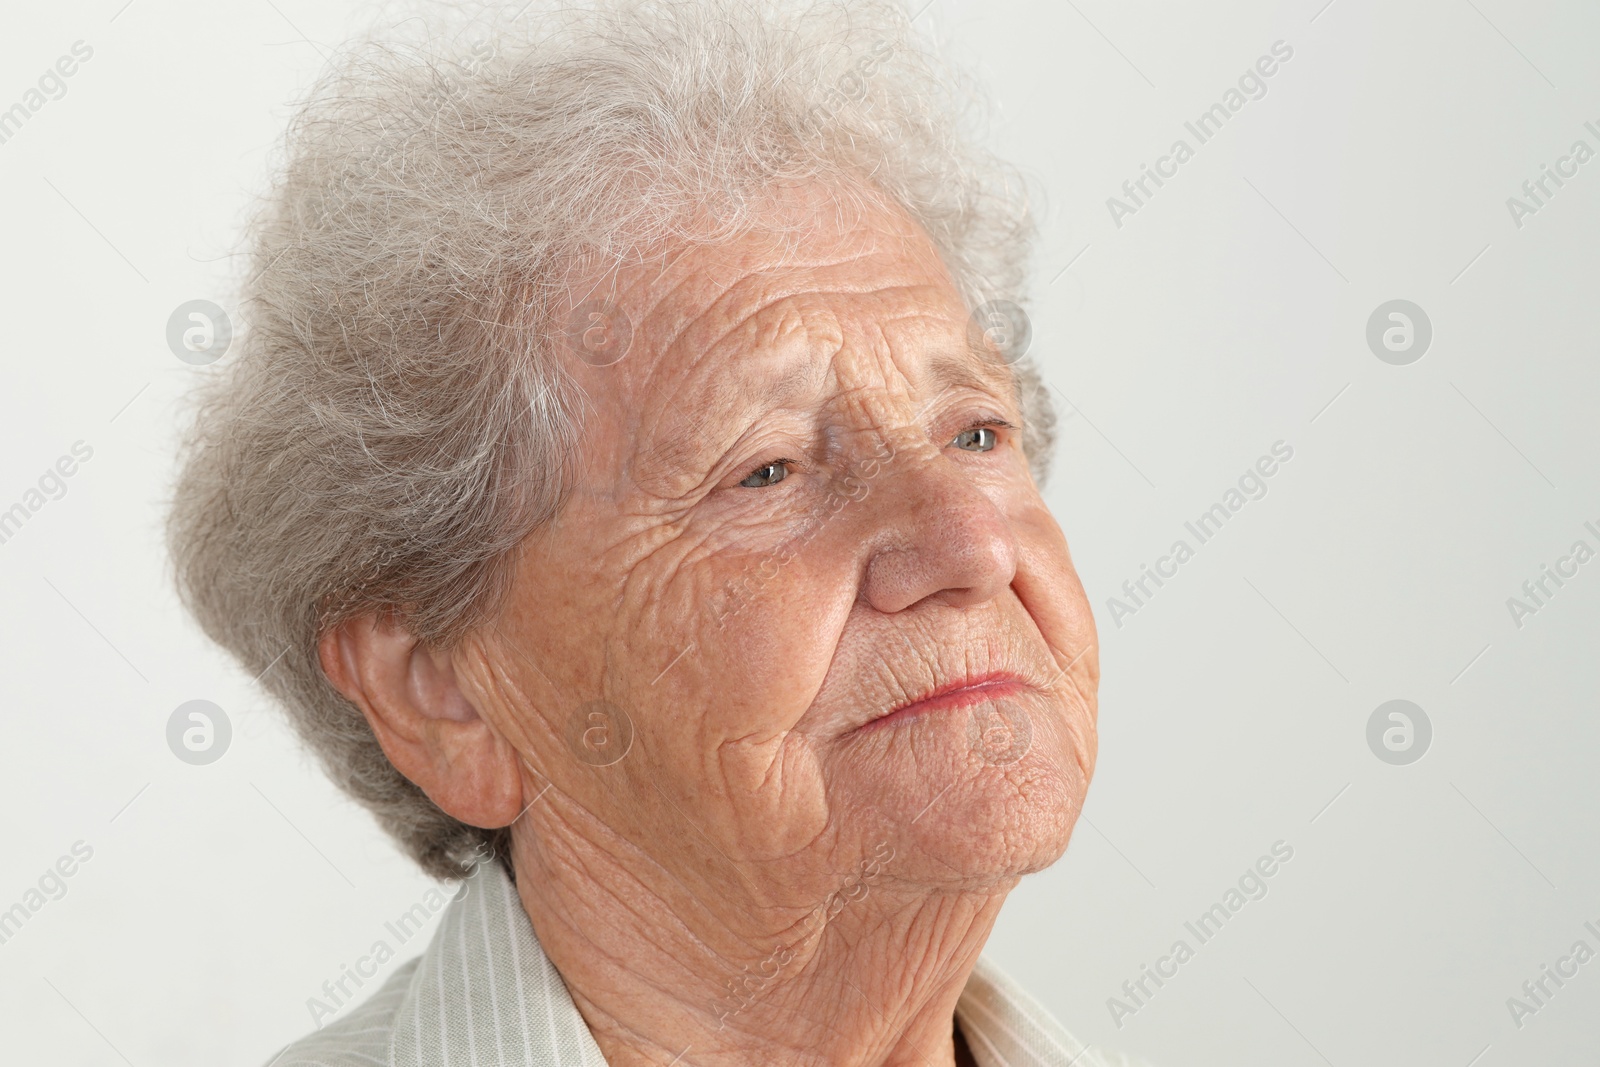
1050 592
1048 586
729 660
769 628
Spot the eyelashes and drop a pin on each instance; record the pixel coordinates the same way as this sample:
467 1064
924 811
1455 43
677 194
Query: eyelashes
769 473
983 435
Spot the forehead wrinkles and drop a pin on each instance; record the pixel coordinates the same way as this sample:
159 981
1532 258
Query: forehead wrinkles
709 387
691 306
760 344
873 390
847 355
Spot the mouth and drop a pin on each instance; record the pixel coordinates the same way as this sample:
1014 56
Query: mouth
950 696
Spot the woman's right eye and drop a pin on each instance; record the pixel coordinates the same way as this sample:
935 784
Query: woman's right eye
767 474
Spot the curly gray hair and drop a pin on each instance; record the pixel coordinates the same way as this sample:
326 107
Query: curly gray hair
388 430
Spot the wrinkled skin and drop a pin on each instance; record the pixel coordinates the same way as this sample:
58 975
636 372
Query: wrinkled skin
764 877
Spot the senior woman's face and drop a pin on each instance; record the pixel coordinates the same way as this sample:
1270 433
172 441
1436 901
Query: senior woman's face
801 506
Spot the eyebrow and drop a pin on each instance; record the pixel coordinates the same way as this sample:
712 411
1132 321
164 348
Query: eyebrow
681 451
973 367
804 378
976 368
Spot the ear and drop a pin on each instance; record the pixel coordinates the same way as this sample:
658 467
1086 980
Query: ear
412 698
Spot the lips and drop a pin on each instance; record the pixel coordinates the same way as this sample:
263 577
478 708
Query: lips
951 695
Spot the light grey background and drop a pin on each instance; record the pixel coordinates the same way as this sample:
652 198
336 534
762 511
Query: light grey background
1229 313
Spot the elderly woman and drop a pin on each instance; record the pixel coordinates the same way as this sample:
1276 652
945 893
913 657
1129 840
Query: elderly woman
630 487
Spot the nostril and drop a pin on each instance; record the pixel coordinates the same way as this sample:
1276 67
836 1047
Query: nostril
962 555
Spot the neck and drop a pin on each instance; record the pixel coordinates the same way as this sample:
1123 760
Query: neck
866 975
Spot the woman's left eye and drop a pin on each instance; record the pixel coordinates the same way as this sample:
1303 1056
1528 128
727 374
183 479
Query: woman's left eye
767 474
977 439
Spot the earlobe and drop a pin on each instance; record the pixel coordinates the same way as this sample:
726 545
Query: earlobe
412 698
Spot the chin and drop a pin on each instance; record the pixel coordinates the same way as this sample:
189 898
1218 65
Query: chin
965 816
999 827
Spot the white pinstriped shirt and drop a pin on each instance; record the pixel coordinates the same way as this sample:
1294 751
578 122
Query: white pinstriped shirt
484 994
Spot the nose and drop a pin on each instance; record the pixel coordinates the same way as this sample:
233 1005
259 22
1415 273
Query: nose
937 535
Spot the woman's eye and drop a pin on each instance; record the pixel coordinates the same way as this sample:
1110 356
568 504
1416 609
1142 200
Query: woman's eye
977 439
767 474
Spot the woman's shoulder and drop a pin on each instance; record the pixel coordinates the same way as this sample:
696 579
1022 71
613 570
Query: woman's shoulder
360 1038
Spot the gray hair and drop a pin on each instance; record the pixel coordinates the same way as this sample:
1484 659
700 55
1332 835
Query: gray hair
390 428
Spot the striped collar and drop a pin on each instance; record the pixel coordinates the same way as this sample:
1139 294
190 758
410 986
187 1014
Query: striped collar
484 994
